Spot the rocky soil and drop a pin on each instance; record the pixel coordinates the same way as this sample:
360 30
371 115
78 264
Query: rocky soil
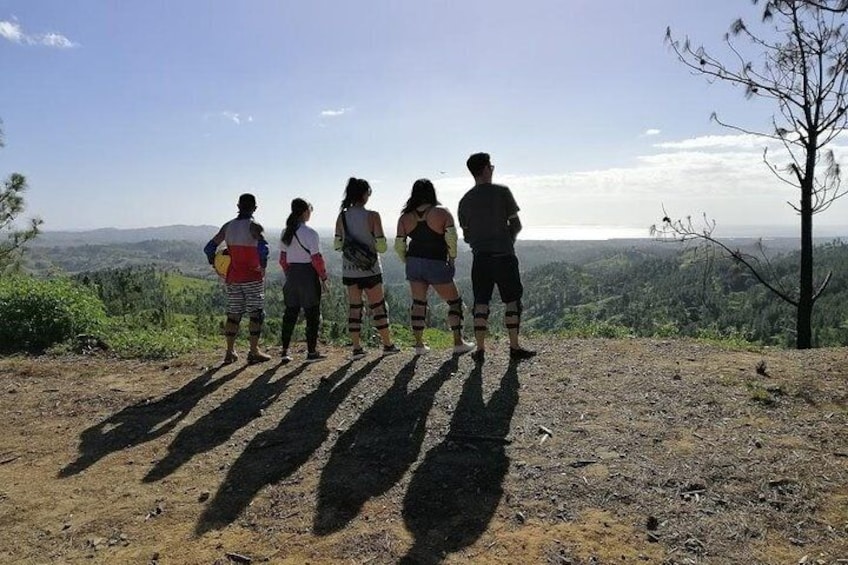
597 451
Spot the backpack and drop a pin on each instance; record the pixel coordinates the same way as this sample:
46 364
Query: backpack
355 252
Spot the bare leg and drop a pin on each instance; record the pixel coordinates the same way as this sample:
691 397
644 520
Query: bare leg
512 320
450 294
418 313
481 325
354 320
231 327
379 312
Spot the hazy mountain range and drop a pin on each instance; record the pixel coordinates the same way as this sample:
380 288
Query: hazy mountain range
201 234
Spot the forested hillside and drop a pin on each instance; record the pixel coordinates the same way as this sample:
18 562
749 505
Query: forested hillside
613 288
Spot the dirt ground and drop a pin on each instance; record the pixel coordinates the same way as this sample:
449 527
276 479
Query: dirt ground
598 451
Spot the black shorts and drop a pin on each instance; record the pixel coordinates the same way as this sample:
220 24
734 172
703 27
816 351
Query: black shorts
363 282
490 270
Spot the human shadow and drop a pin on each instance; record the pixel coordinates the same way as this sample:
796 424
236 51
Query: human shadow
220 424
275 454
375 452
455 491
144 421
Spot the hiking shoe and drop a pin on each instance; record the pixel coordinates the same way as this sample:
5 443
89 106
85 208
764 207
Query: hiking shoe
357 353
520 354
285 357
390 349
422 349
463 348
257 357
230 357
479 355
315 356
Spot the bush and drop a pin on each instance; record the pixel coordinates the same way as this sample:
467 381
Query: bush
37 314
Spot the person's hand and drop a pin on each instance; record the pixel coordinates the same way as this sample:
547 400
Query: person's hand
325 286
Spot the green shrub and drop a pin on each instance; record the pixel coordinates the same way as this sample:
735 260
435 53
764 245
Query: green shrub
156 343
37 313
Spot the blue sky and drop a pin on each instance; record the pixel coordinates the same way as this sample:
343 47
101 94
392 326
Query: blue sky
146 113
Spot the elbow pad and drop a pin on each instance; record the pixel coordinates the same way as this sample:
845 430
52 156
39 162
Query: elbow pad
380 244
262 248
284 262
400 248
209 250
451 239
319 266
338 242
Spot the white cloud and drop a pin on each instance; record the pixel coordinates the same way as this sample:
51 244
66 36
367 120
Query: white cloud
12 31
334 113
723 176
735 141
652 132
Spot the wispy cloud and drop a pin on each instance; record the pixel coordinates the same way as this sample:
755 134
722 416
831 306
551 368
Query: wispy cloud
652 132
234 117
330 113
12 31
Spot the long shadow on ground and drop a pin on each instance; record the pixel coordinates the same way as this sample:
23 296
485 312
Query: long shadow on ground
373 454
455 491
275 454
143 421
219 425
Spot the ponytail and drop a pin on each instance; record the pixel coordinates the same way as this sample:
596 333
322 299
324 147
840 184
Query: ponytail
355 192
298 207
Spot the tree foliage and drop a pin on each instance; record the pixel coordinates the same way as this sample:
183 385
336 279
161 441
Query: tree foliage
12 236
802 69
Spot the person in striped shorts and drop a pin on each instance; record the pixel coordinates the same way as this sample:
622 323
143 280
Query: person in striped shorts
245 278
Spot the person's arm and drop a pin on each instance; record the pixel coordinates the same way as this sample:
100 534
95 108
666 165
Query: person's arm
338 240
514 225
313 244
400 241
261 244
463 220
513 222
451 237
212 245
377 232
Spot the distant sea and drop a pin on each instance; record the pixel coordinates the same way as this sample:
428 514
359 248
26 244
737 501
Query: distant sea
583 233
602 233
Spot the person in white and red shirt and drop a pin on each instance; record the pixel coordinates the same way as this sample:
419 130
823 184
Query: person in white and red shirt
306 279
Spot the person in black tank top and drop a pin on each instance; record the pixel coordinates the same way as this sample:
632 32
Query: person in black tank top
429 258
424 241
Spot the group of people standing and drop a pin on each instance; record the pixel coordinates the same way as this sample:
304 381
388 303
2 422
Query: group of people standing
426 242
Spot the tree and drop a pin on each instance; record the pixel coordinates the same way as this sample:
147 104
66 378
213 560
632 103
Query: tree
13 238
835 6
803 70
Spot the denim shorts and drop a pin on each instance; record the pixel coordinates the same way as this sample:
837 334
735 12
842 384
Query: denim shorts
430 271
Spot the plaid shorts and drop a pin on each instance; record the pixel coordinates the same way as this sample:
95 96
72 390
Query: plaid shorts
245 298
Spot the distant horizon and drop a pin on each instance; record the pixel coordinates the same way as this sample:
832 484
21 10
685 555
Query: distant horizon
569 232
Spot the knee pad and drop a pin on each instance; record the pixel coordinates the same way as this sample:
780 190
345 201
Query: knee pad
513 310
455 309
233 319
481 316
418 314
380 315
354 320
